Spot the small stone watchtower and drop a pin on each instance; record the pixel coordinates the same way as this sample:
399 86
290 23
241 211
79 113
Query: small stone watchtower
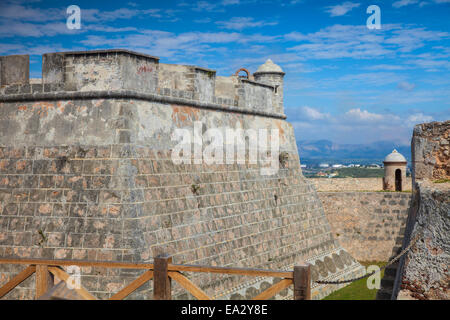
272 74
394 172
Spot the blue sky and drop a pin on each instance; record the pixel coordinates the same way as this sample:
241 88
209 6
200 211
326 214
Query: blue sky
344 82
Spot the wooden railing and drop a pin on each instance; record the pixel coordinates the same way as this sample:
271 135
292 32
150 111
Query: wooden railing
162 271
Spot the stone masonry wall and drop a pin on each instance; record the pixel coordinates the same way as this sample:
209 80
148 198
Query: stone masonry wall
431 151
89 175
367 224
352 184
424 272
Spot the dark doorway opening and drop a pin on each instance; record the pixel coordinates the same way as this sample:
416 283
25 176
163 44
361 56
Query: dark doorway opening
398 180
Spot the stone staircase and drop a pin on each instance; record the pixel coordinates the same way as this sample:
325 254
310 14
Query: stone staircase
387 283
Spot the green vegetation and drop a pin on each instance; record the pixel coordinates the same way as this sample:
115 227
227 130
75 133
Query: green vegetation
404 191
441 181
357 290
345 173
360 172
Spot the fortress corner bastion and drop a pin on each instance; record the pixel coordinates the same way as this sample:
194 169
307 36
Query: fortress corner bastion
86 173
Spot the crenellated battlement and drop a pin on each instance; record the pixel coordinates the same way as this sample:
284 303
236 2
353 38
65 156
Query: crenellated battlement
119 70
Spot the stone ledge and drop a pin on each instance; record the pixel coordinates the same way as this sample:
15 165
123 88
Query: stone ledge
128 94
108 51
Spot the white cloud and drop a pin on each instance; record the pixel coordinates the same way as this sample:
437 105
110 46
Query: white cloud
314 114
418 118
341 9
216 6
239 23
25 29
357 125
390 67
371 78
407 86
357 42
21 13
402 3
363 115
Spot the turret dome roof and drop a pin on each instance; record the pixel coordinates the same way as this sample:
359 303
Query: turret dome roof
269 66
395 156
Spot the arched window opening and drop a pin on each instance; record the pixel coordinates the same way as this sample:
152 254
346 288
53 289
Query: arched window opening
247 73
398 180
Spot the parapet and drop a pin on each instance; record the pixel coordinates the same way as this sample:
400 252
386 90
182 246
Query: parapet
14 70
119 71
101 70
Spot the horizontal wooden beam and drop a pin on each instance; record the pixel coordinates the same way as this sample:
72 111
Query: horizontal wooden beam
18 279
80 263
150 266
229 270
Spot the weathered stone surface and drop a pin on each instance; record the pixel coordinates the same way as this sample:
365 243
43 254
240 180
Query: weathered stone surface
423 273
431 151
426 273
93 178
352 184
367 224
14 70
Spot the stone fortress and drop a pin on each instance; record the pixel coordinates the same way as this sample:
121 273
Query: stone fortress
86 173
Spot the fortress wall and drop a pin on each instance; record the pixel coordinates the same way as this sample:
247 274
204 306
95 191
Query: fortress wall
431 151
102 70
423 272
14 69
89 175
256 96
118 72
96 196
367 224
199 81
225 87
352 184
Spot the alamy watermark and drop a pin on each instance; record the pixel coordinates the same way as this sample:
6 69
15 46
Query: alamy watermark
227 146
74 280
374 20
74 19
373 281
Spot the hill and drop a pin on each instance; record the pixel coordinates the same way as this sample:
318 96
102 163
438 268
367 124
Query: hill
326 150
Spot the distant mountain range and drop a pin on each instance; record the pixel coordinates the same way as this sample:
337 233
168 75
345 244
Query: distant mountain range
326 150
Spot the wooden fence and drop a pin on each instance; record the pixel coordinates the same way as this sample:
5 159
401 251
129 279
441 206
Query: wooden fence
162 271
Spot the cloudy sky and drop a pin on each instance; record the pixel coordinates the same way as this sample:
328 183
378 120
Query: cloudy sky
344 82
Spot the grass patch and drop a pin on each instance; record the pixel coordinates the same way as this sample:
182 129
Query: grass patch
441 181
404 191
357 290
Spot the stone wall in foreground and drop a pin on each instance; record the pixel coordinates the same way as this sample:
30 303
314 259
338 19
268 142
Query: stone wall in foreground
424 271
367 224
431 151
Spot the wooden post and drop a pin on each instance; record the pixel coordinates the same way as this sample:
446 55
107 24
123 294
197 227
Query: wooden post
302 282
44 280
162 289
